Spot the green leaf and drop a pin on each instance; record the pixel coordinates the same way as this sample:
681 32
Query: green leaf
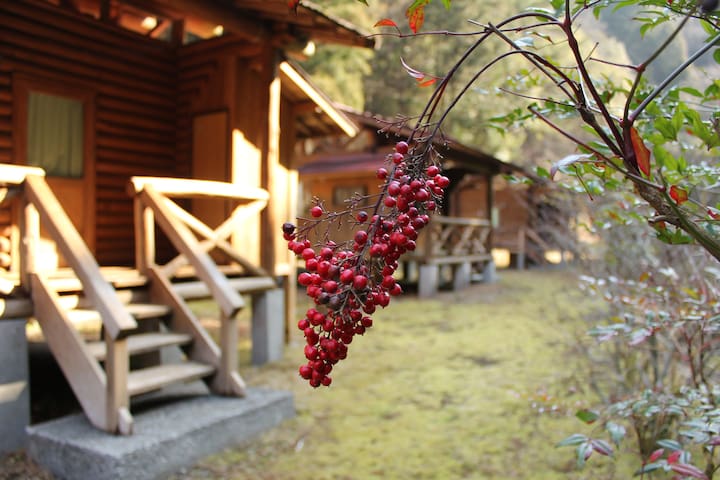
649 468
542 172
574 439
446 3
616 431
665 158
587 416
669 444
666 127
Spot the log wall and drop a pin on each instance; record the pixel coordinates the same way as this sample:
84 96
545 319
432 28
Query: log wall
134 80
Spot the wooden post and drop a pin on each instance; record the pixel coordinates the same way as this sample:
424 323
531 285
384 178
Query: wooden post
29 241
144 236
228 355
117 367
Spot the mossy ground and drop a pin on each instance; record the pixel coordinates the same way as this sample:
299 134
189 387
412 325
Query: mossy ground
477 384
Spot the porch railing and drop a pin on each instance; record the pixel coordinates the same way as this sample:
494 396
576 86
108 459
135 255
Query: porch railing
153 204
104 397
448 240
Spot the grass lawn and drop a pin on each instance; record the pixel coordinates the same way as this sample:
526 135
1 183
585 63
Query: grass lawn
477 384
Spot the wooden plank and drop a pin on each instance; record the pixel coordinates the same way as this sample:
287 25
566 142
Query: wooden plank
115 319
142 343
82 371
117 399
138 311
203 348
155 378
16 174
197 290
184 241
190 188
216 238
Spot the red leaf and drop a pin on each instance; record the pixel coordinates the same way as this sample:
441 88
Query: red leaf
385 22
655 455
293 5
678 194
674 456
416 14
602 447
427 82
642 154
688 470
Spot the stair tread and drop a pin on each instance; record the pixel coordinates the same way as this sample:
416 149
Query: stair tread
198 289
142 343
138 310
154 378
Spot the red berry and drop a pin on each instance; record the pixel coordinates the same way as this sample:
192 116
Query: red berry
306 372
432 170
362 216
401 147
361 237
316 211
397 158
382 173
360 282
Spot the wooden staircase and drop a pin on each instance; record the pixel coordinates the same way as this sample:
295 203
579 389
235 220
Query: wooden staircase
137 313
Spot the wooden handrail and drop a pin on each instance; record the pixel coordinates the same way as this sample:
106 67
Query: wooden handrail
184 241
454 239
189 188
16 174
116 320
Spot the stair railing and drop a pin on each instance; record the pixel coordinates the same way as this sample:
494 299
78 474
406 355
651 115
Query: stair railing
153 204
102 394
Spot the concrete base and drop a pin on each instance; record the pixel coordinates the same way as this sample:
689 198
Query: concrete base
462 276
428 281
167 437
14 387
268 326
490 273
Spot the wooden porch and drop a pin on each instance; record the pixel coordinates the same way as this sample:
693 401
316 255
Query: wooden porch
461 244
137 312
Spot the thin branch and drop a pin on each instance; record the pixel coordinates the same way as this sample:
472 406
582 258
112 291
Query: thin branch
672 76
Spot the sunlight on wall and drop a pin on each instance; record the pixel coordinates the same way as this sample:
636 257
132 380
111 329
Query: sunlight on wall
501 256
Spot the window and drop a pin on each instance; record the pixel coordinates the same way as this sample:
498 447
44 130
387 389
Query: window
55 139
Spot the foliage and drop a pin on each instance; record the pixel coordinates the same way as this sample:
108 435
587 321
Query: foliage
655 143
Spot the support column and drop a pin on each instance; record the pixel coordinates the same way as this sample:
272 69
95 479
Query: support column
462 275
268 326
14 385
428 280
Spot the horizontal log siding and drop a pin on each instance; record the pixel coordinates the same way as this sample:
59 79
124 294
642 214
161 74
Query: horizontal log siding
135 81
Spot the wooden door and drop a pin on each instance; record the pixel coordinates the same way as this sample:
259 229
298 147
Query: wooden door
54 130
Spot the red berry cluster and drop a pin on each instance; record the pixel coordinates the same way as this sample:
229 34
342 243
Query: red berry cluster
349 281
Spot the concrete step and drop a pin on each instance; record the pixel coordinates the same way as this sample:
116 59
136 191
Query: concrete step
166 438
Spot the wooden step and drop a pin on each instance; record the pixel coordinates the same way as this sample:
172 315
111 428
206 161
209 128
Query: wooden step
138 310
142 343
197 289
64 280
155 378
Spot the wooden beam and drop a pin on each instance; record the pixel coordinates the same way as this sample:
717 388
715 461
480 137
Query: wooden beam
213 12
190 188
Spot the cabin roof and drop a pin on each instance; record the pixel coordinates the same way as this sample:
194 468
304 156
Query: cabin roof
387 132
309 21
314 112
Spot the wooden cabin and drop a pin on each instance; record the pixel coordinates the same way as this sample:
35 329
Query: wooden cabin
146 150
463 237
